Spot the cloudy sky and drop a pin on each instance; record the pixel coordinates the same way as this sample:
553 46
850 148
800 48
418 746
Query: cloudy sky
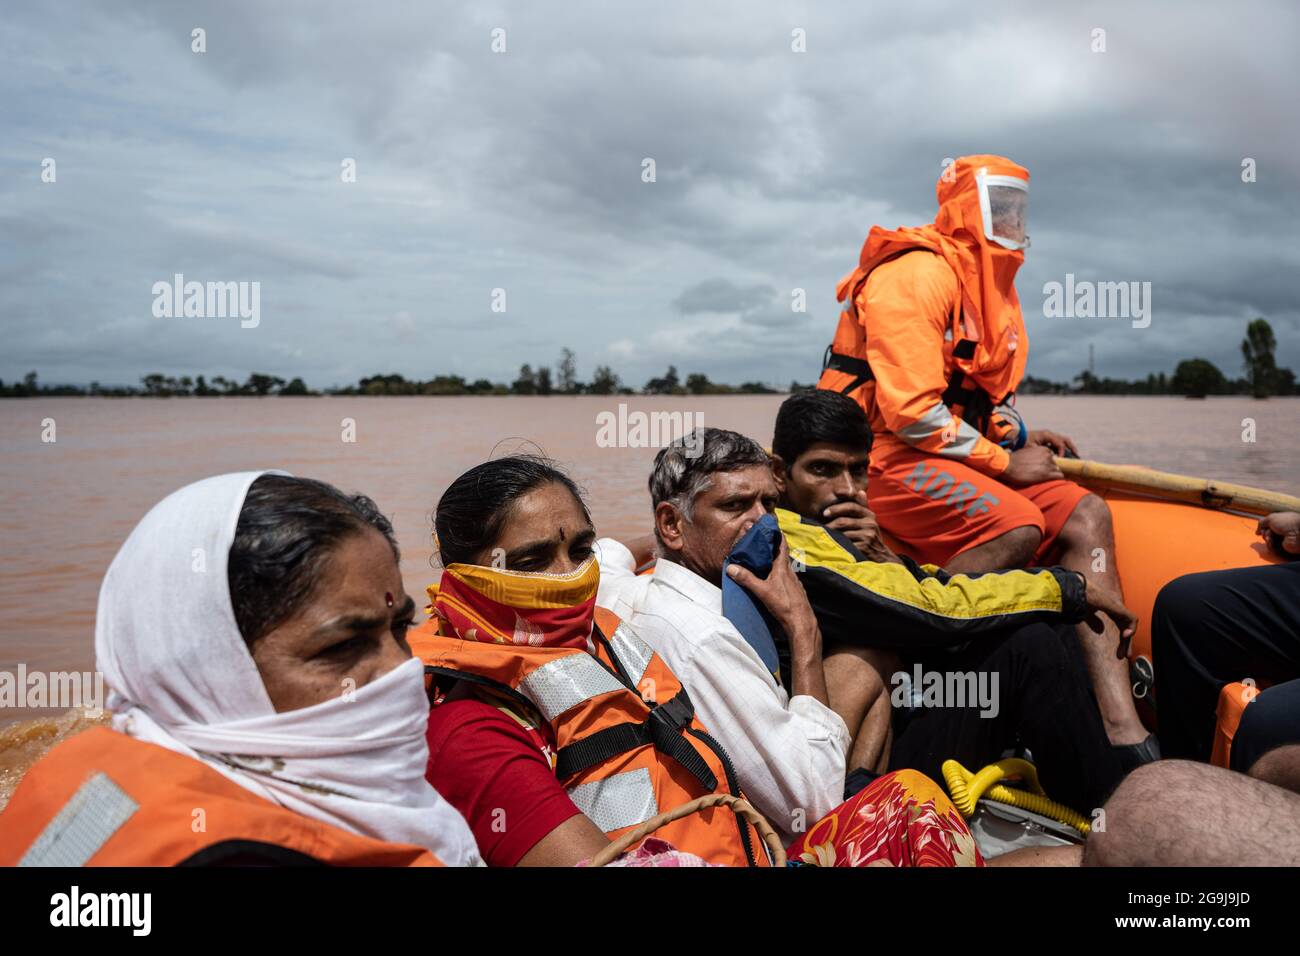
522 170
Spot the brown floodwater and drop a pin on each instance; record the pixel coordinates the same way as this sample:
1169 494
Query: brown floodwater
69 504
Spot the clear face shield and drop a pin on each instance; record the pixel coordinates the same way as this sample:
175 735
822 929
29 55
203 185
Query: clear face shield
1004 203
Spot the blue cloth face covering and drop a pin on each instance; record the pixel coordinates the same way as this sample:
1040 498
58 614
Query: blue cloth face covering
755 552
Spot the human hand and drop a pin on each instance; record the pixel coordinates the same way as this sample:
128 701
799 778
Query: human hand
1102 599
1031 465
782 594
1054 440
1285 525
857 522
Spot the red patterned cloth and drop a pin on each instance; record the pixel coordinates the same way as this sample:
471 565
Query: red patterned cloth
530 608
901 819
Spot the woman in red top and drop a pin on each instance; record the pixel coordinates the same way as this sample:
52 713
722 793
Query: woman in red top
522 514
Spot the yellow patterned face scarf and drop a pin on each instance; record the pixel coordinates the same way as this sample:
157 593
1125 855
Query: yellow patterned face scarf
494 606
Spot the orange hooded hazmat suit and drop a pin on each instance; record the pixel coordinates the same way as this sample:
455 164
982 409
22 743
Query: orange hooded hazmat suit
941 313
932 344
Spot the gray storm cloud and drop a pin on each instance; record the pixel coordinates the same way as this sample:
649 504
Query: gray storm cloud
522 171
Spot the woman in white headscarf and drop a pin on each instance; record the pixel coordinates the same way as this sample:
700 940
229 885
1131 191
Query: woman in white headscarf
254 627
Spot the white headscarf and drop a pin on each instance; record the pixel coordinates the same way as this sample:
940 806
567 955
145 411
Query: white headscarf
182 677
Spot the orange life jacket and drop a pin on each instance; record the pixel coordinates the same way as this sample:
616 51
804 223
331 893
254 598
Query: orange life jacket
102 798
984 343
846 369
628 744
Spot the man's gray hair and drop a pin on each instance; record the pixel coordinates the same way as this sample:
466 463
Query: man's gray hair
685 468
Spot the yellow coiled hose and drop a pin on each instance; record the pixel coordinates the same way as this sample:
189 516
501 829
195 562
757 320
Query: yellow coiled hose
967 788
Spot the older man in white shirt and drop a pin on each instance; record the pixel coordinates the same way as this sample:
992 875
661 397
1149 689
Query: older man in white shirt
789 752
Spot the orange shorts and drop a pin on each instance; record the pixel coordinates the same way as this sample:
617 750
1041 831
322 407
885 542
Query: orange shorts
937 507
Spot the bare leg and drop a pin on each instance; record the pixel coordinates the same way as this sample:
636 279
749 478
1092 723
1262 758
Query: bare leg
1040 856
1280 767
870 747
1014 549
1089 528
1179 813
855 689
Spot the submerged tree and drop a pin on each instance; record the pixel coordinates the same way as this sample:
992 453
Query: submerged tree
296 387
697 383
526 383
670 384
604 381
568 369
1257 351
260 383
1197 378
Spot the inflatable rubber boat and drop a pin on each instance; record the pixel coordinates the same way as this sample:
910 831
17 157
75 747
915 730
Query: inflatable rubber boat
1166 526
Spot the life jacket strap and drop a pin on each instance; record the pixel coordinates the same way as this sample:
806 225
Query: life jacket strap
975 404
662 729
849 365
957 393
860 368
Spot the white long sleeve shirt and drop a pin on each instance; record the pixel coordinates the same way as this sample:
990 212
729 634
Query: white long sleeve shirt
789 752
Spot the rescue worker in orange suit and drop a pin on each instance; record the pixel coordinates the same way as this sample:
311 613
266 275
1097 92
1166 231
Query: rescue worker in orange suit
931 342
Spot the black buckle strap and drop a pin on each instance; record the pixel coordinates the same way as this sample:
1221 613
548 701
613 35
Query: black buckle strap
975 404
956 393
662 729
964 349
666 720
603 745
849 365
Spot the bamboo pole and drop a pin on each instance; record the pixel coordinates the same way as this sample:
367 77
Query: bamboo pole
1162 484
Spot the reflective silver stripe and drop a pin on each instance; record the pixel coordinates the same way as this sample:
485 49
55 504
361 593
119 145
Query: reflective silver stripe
623 800
963 444
934 422
633 653
86 822
566 682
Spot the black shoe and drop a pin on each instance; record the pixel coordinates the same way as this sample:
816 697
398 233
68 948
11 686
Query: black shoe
1132 756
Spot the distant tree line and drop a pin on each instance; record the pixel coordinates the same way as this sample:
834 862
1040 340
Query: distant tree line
1194 378
163 386
562 380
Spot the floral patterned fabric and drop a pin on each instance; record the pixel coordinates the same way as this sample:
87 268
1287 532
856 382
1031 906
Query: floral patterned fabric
657 853
901 819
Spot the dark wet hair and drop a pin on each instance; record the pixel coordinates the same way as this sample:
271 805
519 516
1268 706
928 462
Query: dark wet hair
815 416
288 529
475 506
